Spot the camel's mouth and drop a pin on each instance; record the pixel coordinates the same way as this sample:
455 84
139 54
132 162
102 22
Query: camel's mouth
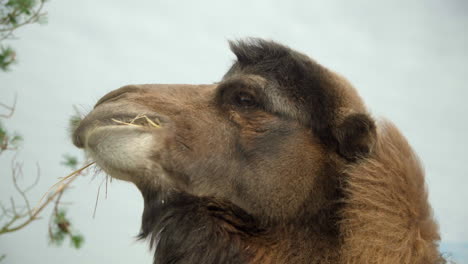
131 122
121 143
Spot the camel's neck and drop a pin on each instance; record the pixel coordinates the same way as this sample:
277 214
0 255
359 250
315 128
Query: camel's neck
386 217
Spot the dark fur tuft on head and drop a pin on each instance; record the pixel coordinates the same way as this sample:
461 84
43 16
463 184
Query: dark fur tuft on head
254 50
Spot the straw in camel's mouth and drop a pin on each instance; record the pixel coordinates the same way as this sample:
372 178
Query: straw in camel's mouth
139 121
119 129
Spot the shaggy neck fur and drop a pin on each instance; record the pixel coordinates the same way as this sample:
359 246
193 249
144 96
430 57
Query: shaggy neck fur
387 218
188 229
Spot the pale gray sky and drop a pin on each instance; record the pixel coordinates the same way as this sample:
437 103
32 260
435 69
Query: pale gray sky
408 59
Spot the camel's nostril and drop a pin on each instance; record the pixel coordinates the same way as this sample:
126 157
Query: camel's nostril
117 94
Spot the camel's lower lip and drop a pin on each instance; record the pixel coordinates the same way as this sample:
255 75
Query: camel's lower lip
117 133
83 133
120 149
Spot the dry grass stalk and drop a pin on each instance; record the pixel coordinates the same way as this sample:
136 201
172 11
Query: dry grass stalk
150 122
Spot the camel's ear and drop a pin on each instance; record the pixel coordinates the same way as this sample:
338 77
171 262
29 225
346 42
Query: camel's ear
356 135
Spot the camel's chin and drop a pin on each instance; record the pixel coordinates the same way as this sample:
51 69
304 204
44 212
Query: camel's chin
124 152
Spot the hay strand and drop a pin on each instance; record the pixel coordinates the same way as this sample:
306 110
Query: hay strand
64 184
150 122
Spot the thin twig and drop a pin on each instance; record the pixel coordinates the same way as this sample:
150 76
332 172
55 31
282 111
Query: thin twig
5 212
16 172
12 220
54 212
9 108
65 182
36 181
13 206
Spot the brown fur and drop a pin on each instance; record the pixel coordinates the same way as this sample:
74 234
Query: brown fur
386 217
279 162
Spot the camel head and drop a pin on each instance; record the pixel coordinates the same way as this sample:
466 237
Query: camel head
251 169
276 120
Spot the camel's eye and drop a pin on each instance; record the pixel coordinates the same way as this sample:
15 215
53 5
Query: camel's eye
246 100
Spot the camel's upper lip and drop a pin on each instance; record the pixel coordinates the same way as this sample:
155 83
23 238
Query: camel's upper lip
135 121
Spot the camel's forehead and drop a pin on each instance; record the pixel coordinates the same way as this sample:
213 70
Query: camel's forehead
179 90
166 94
161 86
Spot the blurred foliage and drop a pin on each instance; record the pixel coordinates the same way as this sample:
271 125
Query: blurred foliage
70 161
7 57
9 141
3 132
13 15
61 229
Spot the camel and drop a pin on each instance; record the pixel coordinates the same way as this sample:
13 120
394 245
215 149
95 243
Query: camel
278 162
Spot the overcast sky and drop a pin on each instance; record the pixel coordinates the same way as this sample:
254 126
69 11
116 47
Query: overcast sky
408 60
